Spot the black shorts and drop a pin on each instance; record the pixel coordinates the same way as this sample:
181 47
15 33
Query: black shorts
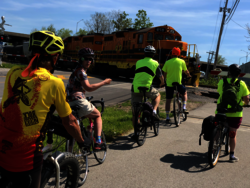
27 179
170 91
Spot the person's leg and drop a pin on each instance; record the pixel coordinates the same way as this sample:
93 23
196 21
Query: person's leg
156 102
182 90
169 96
96 116
135 97
155 96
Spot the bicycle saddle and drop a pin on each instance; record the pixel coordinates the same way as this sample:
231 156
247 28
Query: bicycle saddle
175 84
143 89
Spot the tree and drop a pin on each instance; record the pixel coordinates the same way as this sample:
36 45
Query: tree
63 33
81 32
98 23
112 15
122 22
49 28
221 60
142 20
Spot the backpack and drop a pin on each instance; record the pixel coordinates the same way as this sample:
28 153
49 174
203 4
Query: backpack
207 128
229 97
147 115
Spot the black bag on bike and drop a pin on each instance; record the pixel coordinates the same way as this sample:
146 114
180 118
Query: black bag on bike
229 97
147 115
207 128
55 125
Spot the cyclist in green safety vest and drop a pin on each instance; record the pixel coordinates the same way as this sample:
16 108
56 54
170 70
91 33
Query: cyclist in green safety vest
173 73
145 71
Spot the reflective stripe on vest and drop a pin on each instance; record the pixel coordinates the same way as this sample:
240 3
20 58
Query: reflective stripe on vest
145 72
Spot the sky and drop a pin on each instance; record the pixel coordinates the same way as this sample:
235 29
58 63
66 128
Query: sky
198 21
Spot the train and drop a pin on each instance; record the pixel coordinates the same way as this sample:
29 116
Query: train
117 53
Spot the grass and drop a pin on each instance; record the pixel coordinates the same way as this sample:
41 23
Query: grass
209 82
10 65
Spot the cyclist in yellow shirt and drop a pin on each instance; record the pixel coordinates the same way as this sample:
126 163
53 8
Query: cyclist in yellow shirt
234 119
28 99
173 73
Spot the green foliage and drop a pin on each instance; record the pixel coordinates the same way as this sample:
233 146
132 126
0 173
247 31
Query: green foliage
63 33
211 81
221 60
51 28
122 22
10 65
142 20
81 32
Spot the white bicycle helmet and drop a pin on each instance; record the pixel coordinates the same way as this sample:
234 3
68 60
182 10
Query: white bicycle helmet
149 49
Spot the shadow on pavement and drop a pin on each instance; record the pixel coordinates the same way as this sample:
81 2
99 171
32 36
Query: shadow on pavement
192 162
123 143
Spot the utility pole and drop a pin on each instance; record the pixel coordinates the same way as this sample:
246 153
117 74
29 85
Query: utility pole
221 30
209 61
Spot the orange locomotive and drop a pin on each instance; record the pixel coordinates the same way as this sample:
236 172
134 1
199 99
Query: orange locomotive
117 53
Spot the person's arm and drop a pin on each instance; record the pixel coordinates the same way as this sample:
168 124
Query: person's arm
160 76
246 99
92 87
187 73
71 125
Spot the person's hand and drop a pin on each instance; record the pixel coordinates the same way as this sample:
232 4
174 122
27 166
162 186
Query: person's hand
162 84
107 81
85 144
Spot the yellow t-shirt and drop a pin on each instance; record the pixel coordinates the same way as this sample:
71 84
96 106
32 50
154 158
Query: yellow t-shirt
174 68
23 111
242 93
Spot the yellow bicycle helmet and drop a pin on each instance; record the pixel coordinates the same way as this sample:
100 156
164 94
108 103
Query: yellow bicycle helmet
46 41
43 43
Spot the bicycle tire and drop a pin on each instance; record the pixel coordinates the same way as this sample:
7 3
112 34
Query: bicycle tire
82 160
140 130
227 148
156 125
214 148
69 166
176 112
100 156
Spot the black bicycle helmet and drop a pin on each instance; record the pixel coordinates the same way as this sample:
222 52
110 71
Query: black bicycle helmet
234 70
149 49
86 52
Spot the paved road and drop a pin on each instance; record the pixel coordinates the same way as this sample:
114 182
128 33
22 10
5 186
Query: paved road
173 159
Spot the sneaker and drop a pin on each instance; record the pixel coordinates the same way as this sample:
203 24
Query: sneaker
185 111
156 117
99 146
168 121
233 159
134 137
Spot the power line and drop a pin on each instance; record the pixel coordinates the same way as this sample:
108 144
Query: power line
215 26
232 11
239 24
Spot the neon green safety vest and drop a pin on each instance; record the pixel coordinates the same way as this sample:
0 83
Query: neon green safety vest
145 71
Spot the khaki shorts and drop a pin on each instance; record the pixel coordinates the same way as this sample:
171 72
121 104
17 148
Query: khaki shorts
85 107
137 97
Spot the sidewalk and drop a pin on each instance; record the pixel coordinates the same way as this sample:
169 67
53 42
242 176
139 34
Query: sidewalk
4 71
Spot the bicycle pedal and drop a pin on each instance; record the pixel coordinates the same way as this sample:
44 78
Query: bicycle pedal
186 112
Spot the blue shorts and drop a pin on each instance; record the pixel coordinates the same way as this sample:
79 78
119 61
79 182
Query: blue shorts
170 91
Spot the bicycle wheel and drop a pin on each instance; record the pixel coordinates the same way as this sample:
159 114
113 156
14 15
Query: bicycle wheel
82 159
156 125
214 148
227 148
100 156
140 129
69 172
176 112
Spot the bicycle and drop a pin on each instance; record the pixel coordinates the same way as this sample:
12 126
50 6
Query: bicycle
141 123
100 156
178 105
59 167
220 133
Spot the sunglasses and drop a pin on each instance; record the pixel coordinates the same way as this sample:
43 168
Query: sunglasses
87 59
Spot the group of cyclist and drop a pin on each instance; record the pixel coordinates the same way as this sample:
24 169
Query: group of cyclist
23 125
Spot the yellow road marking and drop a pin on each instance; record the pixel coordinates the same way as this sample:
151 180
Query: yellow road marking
61 76
90 77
